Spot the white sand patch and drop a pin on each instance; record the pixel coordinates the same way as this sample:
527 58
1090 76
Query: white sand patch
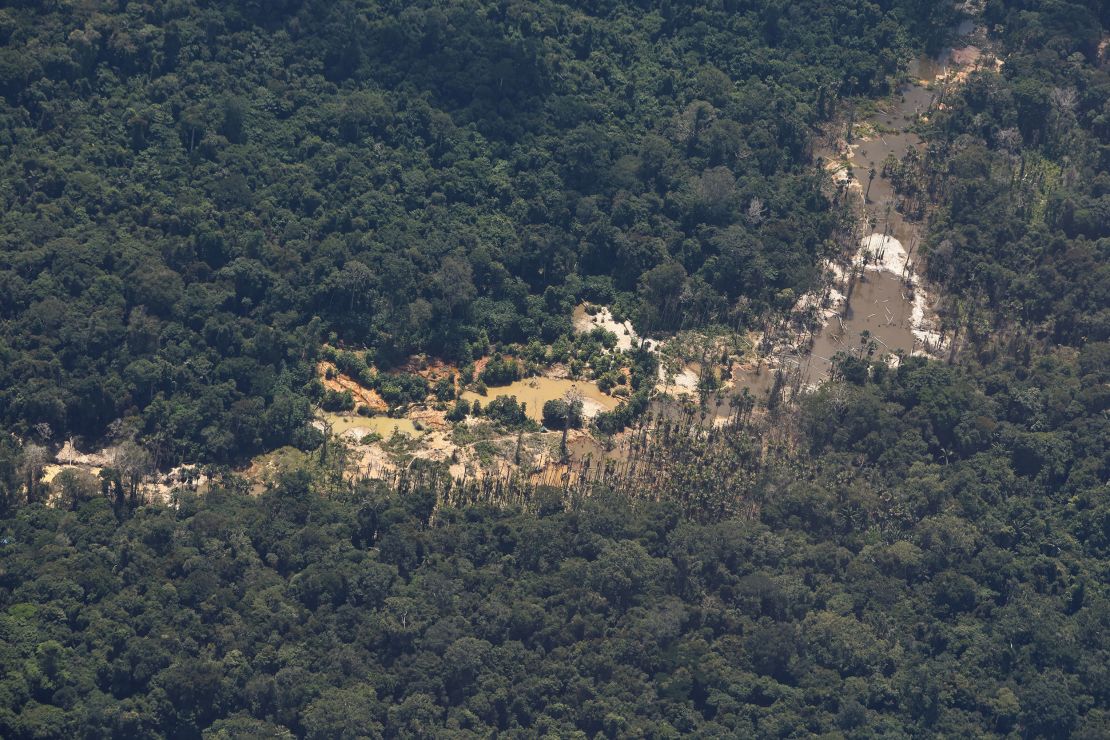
926 331
687 379
838 272
70 456
883 253
806 302
584 323
841 173
887 253
684 382
827 304
591 408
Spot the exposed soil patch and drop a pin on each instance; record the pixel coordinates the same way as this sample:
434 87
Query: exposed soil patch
69 455
431 369
338 382
586 318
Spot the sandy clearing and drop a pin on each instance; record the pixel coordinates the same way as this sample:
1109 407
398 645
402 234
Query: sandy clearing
883 253
584 323
50 472
70 456
537 391
685 382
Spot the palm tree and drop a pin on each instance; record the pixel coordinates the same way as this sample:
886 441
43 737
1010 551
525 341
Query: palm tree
573 400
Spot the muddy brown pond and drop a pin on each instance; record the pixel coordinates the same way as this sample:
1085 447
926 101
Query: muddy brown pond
535 392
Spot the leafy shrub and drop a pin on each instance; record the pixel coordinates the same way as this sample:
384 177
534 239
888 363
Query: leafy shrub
337 401
507 410
500 371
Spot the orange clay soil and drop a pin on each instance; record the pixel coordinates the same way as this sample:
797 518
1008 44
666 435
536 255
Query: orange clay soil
429 368
365 396
480 365
429 418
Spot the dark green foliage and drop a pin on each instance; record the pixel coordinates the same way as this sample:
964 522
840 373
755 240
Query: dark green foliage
445 389
337 401
400 388
911 573
558 414
1020 160
196 195
627 411
500 371
507 410
187 186
459 411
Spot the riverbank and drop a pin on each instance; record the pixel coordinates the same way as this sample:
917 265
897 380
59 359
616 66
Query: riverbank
876 301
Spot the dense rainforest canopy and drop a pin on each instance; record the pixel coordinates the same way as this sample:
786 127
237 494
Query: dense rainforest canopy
197 195
932 562
1021 164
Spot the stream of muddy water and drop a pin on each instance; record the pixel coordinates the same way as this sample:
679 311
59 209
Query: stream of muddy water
879 303
877 299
